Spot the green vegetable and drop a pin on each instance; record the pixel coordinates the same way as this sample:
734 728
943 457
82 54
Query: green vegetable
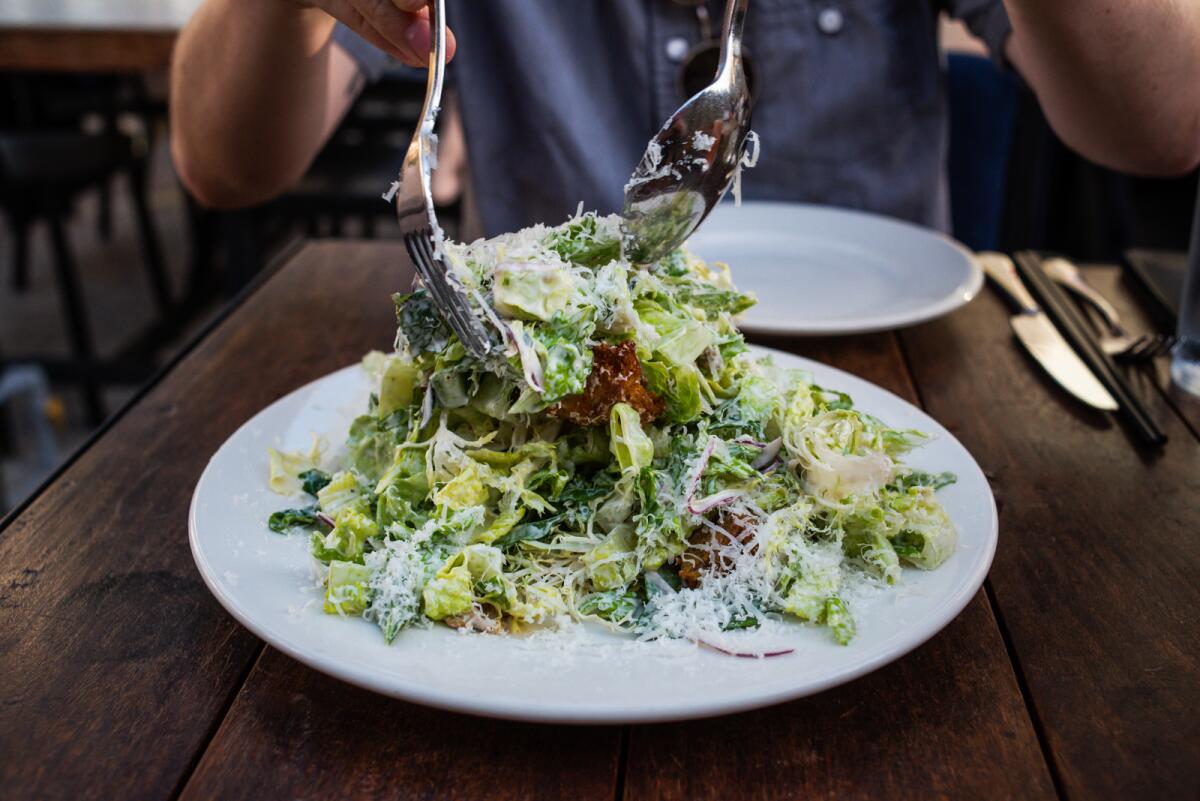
615 606
313 480
741 622
679 386
925 538
343 491
397 386
465 489
406 476
580 242
421 323
839 620
918 478
531 291
286 519
567 358
613 563
346 591
452 590
630 446
682 339
713 299
372 443
347 539
661 532
537 530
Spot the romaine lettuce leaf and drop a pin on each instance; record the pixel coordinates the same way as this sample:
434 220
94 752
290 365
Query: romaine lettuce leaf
346 590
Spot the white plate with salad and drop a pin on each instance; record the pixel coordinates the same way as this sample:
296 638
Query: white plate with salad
819 270
627 516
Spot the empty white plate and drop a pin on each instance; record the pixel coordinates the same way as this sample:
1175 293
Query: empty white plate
582 674
821 270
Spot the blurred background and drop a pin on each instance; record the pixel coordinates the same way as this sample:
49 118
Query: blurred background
108 270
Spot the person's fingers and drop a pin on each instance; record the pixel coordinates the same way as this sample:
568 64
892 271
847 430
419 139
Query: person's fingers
349 15
407 31
393 25
420 36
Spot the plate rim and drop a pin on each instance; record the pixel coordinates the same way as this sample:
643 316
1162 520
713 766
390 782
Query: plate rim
928 627
969 291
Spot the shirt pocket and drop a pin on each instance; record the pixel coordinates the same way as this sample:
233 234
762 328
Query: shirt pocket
838 79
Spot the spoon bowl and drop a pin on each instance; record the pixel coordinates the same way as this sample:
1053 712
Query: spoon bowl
692 162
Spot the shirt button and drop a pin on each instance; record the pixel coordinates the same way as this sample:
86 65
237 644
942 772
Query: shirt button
830 21
677 48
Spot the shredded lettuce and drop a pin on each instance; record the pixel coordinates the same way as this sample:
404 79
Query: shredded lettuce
744 493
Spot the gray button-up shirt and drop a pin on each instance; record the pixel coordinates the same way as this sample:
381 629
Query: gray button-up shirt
559 98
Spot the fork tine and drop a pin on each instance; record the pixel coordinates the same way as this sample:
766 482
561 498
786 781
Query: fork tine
1164 344
414 206
448 296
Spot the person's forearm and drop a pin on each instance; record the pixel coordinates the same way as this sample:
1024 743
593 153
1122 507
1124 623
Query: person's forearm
251 100
1118 79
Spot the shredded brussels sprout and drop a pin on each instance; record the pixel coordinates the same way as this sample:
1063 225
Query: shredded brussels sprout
625 461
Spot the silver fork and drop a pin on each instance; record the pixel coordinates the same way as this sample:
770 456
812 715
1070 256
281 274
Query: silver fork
414 205
1118 341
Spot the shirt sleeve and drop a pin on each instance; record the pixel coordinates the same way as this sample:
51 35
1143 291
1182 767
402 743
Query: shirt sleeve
372 61
988 20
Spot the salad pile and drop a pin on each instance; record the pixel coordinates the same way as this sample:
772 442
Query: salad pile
624 459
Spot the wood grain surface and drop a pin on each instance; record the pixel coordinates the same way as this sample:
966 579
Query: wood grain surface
1095 576
86 50
118 663
1076 674
294 733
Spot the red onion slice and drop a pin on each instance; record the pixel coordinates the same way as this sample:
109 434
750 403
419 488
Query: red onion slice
769 454
698 471
531 365
325 519
742 654
714 501
426 406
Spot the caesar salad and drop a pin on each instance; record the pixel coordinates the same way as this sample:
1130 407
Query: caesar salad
624 460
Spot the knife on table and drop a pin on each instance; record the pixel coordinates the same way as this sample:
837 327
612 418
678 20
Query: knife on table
1043 341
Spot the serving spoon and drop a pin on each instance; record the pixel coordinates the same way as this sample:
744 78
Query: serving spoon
691 163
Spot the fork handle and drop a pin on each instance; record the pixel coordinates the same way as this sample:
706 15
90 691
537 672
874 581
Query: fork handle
437 59
1074 282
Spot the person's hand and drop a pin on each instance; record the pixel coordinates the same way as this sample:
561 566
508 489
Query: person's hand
399 28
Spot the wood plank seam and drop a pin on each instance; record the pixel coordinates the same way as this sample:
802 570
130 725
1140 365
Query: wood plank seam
1175 407
1014 661
622 765
1039 728
218 721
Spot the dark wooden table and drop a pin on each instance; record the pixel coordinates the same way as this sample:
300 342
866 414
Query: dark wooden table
1075 673
90 35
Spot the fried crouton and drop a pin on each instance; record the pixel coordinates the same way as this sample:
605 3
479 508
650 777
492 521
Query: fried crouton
616 377
706 543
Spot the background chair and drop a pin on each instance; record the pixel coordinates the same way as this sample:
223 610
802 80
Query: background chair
48 158
983 103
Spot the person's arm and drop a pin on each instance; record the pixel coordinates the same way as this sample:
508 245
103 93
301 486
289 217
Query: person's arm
257 88
1119 80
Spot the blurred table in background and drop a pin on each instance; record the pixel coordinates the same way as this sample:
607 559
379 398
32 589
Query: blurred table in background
90 35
